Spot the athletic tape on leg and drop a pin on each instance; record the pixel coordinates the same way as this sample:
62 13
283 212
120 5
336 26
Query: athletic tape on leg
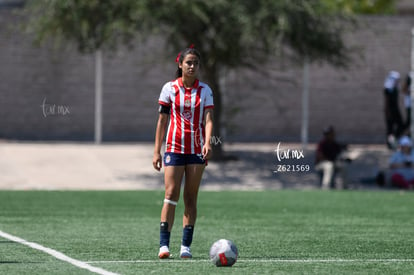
170 202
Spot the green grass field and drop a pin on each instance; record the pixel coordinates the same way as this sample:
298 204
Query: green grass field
277 232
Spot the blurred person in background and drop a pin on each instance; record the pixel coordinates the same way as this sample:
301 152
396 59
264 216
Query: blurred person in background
328 161
393 118
401 165
406 89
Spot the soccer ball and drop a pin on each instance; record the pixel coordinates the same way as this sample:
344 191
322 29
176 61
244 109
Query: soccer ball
223 253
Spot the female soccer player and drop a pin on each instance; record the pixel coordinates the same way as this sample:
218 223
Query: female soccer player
189 103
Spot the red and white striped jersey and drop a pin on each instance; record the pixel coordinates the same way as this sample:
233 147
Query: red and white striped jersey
186 131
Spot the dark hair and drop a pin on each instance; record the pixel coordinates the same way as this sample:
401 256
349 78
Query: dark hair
182 55
328 130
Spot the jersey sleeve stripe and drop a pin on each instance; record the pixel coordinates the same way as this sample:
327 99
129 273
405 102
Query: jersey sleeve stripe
196 122
187 124
164 103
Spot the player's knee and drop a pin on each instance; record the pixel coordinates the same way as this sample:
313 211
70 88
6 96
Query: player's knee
172 194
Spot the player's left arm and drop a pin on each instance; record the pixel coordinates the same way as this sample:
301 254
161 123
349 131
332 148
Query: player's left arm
207 150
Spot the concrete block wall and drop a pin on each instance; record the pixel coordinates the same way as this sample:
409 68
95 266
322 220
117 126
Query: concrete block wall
257 106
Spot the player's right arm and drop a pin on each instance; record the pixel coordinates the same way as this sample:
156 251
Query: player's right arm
159 137
164 112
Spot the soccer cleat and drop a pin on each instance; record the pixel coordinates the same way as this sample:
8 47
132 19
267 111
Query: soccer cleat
164 252
185 252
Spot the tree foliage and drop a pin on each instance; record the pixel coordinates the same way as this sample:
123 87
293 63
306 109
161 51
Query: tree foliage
91 24
363 6
236 33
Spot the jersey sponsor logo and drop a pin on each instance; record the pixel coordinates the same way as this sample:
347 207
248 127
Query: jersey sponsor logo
187 114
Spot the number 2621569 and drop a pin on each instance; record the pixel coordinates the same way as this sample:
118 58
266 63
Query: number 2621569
283 168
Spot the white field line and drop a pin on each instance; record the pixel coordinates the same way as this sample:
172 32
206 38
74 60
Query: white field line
260 261
57 254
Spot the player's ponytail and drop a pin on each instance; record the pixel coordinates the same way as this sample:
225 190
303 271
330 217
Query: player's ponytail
179 73
180 57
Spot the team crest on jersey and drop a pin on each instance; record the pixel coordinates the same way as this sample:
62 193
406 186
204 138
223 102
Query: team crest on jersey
187 103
